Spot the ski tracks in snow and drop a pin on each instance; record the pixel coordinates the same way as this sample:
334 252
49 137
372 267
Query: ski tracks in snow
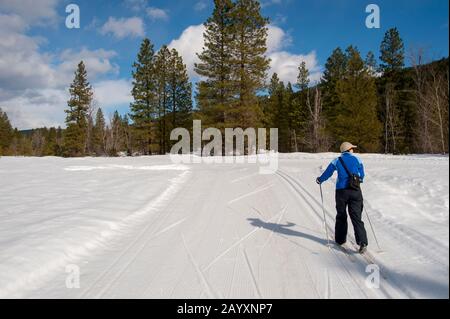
208 256
110 275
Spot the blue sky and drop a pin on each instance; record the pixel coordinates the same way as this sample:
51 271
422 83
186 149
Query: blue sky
40 53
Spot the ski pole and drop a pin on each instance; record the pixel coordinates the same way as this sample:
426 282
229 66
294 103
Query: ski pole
371 226
324 216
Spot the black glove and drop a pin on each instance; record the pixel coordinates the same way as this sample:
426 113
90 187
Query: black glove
318 180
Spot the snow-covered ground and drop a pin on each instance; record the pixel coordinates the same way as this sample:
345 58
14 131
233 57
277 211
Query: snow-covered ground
147 228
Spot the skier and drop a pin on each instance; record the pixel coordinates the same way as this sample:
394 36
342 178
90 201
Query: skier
348 194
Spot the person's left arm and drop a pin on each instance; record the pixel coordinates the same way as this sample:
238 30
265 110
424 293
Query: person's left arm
361 172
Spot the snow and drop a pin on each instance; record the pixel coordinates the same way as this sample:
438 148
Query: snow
145 227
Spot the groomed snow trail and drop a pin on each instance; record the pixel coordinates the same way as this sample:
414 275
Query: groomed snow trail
225 231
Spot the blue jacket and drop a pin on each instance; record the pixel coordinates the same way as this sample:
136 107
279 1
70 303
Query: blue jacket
353 163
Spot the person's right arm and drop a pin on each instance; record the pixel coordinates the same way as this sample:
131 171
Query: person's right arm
327 174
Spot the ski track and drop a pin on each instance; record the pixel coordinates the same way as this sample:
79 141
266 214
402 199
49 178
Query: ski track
209 290
229 232
327 293
116 276
233 274
313 283
152 206
252 274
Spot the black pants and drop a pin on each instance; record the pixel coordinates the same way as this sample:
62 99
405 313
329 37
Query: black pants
354 201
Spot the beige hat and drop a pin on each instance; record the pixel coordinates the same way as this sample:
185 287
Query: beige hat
346 146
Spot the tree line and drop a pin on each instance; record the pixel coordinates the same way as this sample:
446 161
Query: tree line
385 108
162 101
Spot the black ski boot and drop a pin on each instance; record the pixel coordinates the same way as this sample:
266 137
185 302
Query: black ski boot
362 249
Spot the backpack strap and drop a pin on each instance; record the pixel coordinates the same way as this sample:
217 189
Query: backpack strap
345 166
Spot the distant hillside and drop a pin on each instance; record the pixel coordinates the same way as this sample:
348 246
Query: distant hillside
27 133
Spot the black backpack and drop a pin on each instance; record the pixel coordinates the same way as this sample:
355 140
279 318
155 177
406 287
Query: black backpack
354 180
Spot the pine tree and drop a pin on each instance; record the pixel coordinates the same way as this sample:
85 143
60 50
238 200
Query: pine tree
143 109
59 142
334 71
234 65
89 134
277 112
215 94
180 93
296 118
99 133
300 110
15 146
292 110
392 52
249 62
271 108
303 77
127 135
357 119
51 147
76 119
397 124
162 76
6 133
117 134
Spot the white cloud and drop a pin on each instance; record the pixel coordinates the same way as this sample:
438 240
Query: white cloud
188 45
286 65
279 19
37 108
21 64
98 62
266 3
32 11
152 12
28 81
45 107
33 84
123 27
136 5
11 23
277 39
113 93
201 5
157 13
